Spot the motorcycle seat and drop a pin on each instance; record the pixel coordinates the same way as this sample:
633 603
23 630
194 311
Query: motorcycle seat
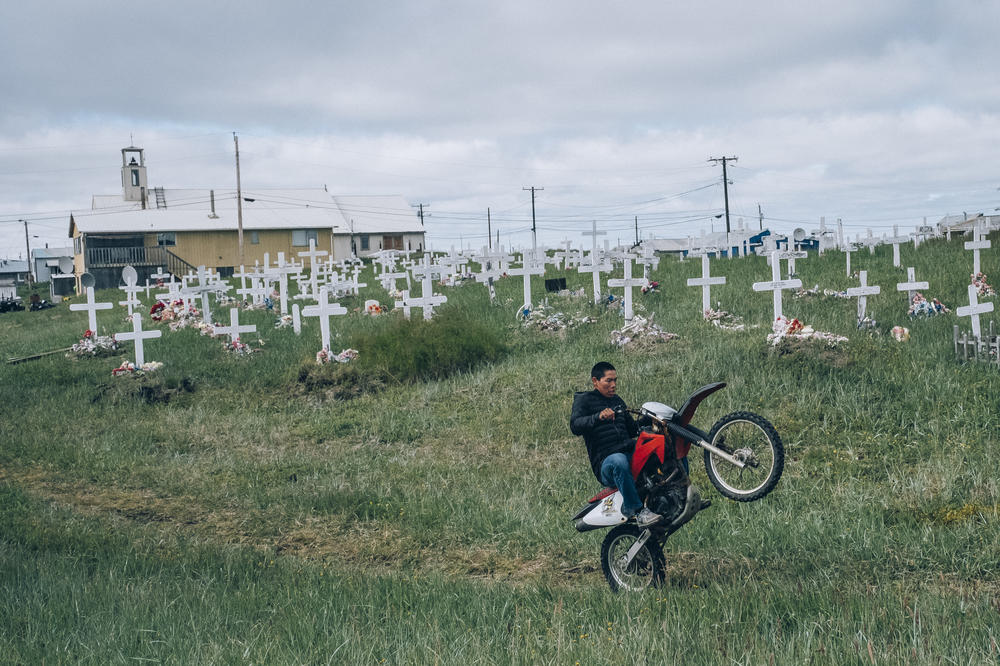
601 495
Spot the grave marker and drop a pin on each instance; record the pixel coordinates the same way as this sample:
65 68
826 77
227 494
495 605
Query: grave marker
91 307
628 282
596 269
705 282
776 285
862 293
976 244
973 310
137 336
911 285
324 309
234 329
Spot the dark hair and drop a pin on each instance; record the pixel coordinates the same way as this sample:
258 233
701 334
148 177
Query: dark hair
600 369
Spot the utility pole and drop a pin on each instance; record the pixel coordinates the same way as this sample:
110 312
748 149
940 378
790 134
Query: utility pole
760 215
420 212
534 237
239 201
725 182
489 230
636 230
27 249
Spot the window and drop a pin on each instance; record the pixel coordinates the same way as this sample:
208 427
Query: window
301 237
364 242
255 238
78 245
392 242
166 239
135 178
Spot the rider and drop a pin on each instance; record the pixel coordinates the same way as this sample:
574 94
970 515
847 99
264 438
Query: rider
609 431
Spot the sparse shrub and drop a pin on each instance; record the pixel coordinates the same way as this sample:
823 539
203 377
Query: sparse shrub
415 349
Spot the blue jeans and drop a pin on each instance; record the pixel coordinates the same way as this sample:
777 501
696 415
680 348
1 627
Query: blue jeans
616 471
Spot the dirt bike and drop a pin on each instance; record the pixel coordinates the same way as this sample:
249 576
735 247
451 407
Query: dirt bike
744 458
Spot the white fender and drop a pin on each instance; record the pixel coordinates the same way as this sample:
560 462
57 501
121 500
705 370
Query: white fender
605 513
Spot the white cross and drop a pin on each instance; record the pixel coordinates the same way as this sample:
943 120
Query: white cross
296 319
896 241
594 234
776 284
91 307
791 256
911 285
595 269
973 310
324 309
138 335
705 282
527 269
848 248
234 329
648 259
628 282
131 289
313 255
870 242
427 300
862 293
488 272
976 244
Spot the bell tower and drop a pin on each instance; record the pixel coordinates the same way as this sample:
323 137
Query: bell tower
134 175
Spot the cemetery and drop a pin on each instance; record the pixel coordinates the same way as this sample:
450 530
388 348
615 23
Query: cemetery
375 454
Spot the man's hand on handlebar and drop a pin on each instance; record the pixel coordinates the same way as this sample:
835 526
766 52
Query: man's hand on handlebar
606 414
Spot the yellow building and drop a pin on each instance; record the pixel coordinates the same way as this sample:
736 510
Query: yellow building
176 230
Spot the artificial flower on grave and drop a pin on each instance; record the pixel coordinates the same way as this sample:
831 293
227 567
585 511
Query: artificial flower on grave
237 347
652 287
920 306
374 308
900 333
156 310
324 356
981 285
128 367
785 329
640 332
545 318
92 344
724 320
284 321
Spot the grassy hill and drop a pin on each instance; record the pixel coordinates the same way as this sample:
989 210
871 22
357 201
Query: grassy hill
233 509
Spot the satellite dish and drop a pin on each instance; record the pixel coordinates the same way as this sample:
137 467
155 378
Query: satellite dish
799 235
130 276
87 280
65 265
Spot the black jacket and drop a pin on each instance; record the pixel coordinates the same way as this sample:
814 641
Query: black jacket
602 437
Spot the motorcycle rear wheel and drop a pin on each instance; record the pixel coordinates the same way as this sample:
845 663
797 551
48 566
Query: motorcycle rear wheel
751 438
643 572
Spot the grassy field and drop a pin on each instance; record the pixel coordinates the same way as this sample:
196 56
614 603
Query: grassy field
222 511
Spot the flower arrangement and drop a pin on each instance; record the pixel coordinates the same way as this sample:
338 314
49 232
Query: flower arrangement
727 321
237 347
793 329
128 368
921 307
650 288
93 345
900 334
981 285
374 308
547 319
284 321
640 332
324 356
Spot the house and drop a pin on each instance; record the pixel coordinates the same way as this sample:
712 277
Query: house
13 271
966 223
45 261
178 229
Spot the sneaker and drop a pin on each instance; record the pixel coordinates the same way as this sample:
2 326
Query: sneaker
647 518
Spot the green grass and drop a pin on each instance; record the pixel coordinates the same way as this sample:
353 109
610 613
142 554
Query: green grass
219 511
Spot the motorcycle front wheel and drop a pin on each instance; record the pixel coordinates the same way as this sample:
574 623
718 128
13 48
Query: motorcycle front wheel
643 572
751 439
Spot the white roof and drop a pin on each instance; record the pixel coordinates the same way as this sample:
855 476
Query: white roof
190 210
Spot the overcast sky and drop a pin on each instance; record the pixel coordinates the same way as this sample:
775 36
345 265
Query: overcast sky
878 113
